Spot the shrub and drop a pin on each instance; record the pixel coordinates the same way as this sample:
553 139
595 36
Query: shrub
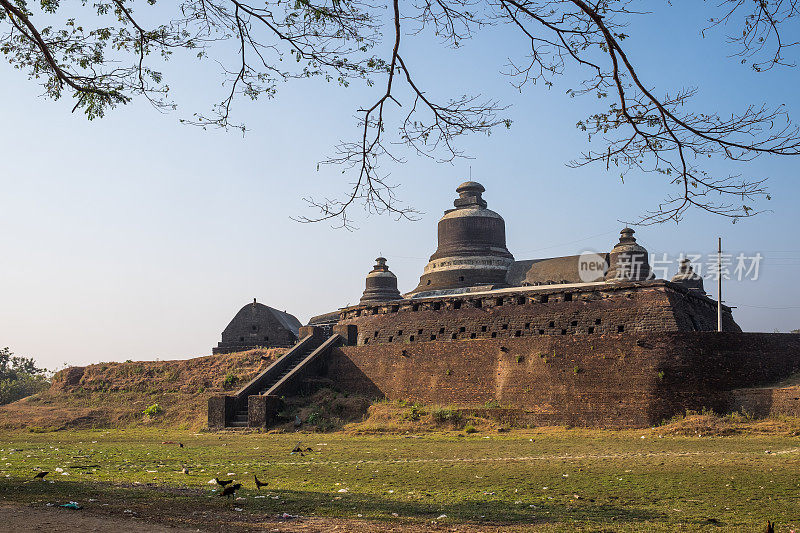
520 359
153 410
661 375
230 380
415 413
491 404
314 418
470 429
576 370
442 415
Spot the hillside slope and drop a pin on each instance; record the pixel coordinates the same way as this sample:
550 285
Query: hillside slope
116 394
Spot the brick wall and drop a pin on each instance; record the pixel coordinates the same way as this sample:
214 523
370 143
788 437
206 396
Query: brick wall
252 330
615 380
648 307
761 402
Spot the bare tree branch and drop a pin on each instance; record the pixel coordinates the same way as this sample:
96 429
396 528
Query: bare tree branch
643 129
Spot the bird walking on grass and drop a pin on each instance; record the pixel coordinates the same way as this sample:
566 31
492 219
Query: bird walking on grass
223 482
41 475
230 491
259 484
770 527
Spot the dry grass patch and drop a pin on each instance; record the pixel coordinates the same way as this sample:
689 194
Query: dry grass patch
117 394
712 425
405 416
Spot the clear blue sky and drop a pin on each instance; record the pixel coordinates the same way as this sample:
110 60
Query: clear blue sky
135 237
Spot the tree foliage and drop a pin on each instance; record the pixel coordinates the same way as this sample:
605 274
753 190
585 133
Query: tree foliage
107 52
19 377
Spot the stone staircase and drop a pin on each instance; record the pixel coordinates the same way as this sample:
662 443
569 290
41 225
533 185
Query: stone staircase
266 380
281 378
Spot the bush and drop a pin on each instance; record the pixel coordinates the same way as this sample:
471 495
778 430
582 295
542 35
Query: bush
153 410
230 380
491 404
443 415
470 429
415 413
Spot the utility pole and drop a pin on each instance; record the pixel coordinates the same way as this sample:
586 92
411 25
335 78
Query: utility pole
719 284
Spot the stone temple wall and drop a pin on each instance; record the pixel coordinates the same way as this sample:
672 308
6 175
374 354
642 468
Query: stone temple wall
656 306
612 380
252 327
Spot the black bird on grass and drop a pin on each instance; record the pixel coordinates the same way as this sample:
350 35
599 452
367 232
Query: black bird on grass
297 448
259 484
770 527
180 444
41 474
230 491
223 482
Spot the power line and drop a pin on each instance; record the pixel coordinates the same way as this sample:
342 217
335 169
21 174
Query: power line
766 307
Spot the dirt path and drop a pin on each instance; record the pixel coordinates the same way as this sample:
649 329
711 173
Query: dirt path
24 519
35 519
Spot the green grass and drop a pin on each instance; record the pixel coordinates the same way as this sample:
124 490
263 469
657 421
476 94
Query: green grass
552 480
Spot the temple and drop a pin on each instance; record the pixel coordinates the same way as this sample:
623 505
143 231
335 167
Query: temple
257 325
593 339
472 268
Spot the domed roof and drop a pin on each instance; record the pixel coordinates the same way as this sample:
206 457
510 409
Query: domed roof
381 284
471 246
687 277
628 261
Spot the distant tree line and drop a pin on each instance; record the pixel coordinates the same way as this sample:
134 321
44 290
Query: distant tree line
19 377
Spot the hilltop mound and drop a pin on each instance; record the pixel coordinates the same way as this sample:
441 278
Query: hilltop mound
116 394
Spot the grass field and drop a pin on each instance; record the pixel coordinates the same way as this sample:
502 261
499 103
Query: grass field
547 479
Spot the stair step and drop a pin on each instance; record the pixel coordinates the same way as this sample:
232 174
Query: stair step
237 424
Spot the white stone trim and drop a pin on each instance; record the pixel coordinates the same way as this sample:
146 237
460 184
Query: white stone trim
475 262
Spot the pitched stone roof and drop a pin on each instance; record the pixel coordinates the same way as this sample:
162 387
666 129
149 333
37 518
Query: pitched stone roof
254 309
545 271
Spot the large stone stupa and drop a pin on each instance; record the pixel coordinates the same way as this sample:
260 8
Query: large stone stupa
472 247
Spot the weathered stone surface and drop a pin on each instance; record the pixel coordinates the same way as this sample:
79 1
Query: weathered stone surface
768 401
471 247
628 261
628 380
220 409
257 325
381 284
591 309
262 410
